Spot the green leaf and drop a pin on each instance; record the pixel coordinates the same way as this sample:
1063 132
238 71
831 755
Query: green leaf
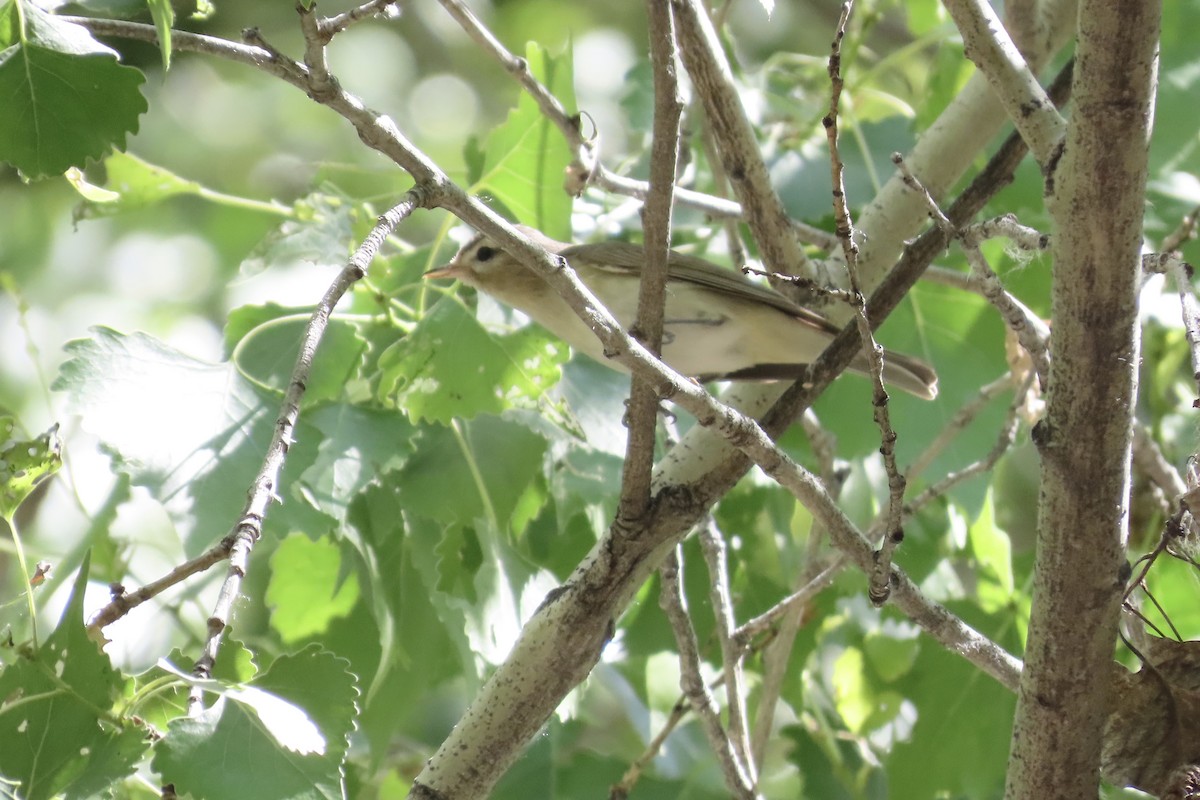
459 557
192 432
55 714
993 557
24 463
66 98
484 603
474 469
1173 585
133 184
164 17
284 735
475 157
823 773
449 367
525 159
852 693
415 648
89 191
319 682
320 233
949 70
173 422
925 15
266 356
637 100
160 704
873 105
892 650
358 445
964 719
308 590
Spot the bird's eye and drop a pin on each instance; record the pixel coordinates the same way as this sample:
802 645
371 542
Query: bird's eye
485 253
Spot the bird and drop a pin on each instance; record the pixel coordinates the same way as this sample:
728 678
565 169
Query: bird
717 324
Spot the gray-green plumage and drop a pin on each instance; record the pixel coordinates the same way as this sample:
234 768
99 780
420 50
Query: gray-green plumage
717 324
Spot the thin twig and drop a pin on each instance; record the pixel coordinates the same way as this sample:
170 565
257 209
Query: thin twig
712 546
1004 442
592 172
314 50
1186 231
674 605
912 264
632 775
788 615
263 487
811 287
124 602
547 103
940 220
749 177
824 447
1190 312
733 239
332 25
752 628
1150 461
879 584
1031 332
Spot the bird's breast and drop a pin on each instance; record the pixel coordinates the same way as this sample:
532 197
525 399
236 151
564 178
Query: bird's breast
705 332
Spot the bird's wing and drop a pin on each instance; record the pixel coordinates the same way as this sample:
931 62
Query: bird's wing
629 258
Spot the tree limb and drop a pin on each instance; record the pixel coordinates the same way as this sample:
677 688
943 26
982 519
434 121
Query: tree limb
1096 199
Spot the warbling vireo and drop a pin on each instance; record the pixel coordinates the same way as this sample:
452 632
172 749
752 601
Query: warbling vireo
718 325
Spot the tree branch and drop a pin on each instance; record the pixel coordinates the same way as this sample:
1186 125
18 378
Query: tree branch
880 575
248 529
945 150
987 44
563 640
738 779
656 221
1097 197
739 149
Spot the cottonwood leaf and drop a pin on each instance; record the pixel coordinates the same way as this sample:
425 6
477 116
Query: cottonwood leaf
24 463
66 98
450 367
132 183
193 432
284 735
51 702
266 355
308 589
525 159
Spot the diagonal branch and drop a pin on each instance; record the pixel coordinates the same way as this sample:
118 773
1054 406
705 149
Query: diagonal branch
738 146
987 44
248 529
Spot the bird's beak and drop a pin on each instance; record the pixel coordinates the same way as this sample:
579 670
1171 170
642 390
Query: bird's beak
450 270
